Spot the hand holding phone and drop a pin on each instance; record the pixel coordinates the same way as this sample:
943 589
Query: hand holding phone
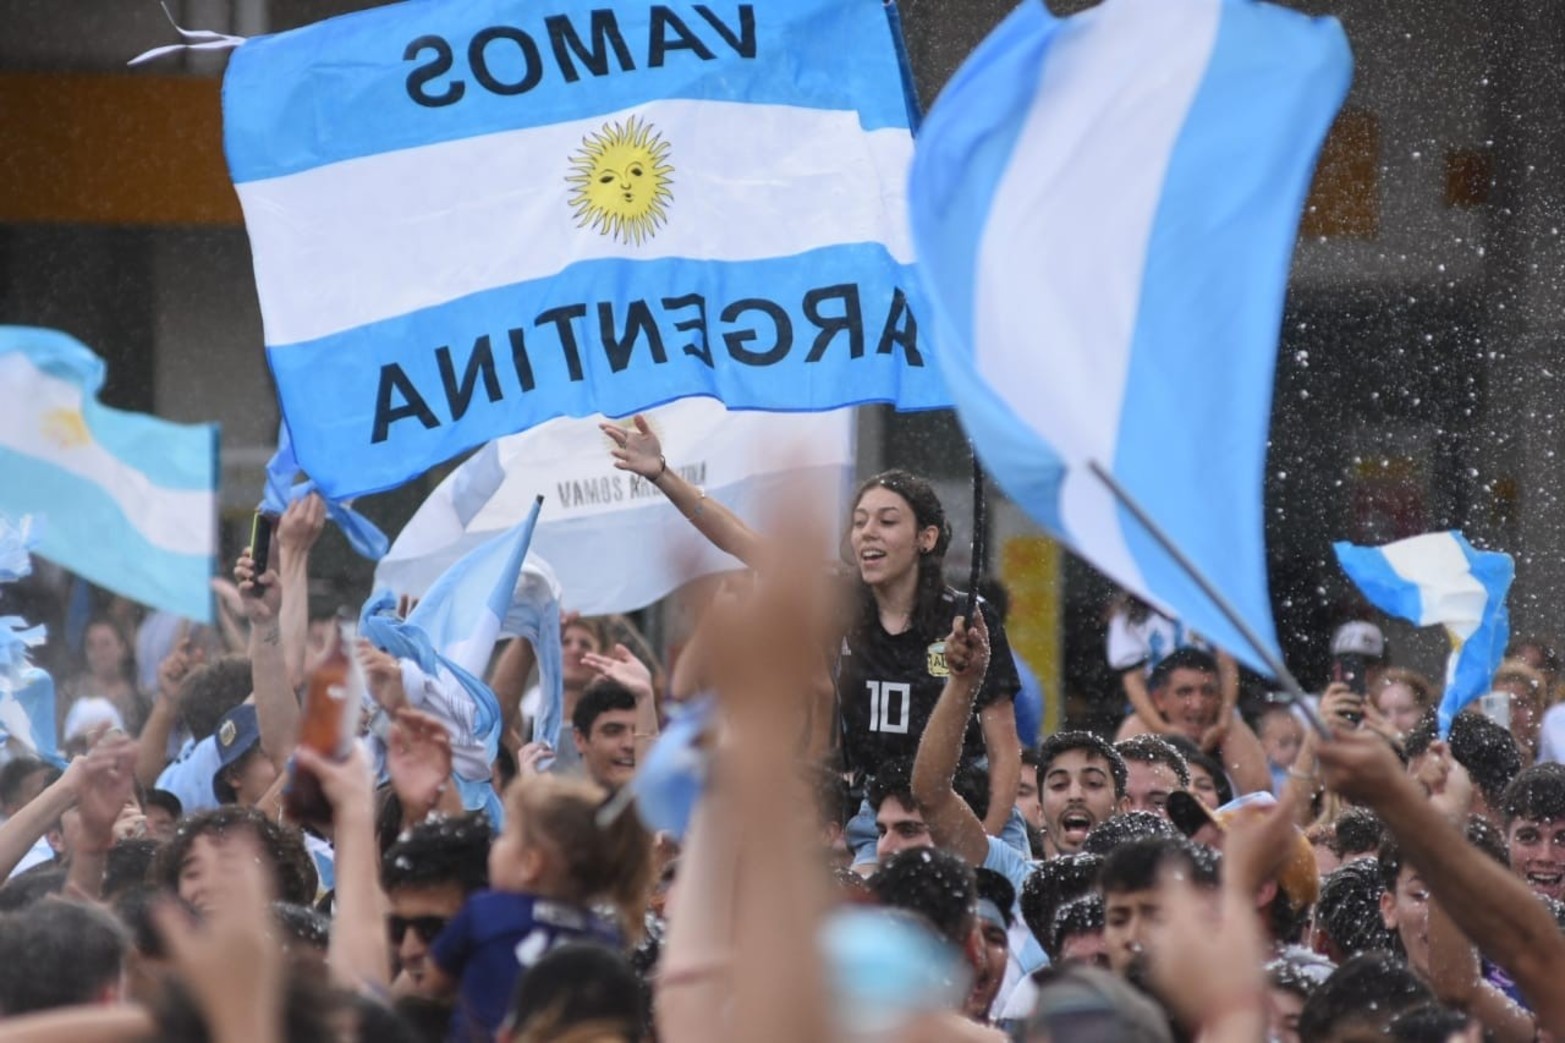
260 547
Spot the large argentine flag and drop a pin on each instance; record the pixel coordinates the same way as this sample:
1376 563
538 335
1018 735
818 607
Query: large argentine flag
1105 208
469 216
1439 579
615 542
126 500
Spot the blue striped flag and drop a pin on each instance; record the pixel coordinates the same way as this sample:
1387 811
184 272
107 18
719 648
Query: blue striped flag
490 592
125 500
1104 208
469 217
1439 579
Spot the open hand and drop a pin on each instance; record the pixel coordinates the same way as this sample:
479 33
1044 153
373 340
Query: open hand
623 667
418 759
637 451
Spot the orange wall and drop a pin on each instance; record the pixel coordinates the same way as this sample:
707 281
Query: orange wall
113 149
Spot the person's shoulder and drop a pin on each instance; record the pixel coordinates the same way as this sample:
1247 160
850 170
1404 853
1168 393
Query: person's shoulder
1010 863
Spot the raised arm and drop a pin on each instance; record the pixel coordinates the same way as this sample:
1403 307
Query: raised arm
276 705
360 956
108 784
623 667
297 530
508 679
640 453
21 831
951 822
152 744
1490 904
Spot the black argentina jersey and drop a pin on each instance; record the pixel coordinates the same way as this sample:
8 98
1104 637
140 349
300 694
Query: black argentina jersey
888 684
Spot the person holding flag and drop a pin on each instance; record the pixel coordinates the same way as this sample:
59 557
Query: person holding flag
890 665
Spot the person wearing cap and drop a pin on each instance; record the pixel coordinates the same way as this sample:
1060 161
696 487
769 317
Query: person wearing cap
162 810
244 773
1283 900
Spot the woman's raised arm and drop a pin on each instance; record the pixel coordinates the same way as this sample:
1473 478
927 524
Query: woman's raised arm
639 452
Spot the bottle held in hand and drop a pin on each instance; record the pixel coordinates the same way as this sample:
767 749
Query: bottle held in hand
328 725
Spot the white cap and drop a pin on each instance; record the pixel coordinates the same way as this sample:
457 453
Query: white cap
87 714
1359 638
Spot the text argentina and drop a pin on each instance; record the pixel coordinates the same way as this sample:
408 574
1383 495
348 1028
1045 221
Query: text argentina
752 331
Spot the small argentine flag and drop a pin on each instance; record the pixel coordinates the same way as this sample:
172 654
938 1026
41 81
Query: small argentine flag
1439 578
126 500
1105 208
470 216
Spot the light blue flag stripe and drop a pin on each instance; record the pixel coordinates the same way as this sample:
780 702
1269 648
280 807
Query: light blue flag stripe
1222 448
1441 579
125 500
1071 332
27 715
288 109
88 533
780 335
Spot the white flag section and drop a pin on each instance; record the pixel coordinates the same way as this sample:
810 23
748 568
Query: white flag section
615 543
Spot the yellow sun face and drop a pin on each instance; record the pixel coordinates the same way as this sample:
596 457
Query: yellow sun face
621 181
66 428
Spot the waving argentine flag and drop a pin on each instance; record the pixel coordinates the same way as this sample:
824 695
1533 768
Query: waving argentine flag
1439 579
1104 208
469 216
126 500
446 642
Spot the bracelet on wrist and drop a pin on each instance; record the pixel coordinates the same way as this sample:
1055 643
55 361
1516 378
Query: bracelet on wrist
662 467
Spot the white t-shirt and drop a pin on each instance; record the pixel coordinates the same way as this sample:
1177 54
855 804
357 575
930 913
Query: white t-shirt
1147 643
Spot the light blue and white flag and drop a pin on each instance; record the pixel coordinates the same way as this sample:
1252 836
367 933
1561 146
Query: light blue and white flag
27 714
1104 208
469 217
668 783
363 535
452 631
125 500
1441 579
615 541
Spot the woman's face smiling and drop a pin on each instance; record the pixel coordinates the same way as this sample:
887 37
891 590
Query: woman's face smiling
885 537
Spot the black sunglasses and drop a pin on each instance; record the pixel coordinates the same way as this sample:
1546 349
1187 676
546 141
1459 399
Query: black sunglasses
428 928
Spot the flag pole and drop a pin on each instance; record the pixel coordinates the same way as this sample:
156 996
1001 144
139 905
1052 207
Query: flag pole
1273 662
979 548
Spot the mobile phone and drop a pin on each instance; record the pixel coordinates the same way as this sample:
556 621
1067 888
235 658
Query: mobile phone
1497 707
1352 670
261 543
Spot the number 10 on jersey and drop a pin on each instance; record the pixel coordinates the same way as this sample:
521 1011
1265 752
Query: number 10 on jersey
881 696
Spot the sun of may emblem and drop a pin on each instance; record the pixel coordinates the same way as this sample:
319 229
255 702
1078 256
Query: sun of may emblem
620 181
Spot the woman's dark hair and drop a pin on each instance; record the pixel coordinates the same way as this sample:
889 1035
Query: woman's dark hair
931 618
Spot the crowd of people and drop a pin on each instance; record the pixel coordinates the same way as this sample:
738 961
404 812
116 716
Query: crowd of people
873 849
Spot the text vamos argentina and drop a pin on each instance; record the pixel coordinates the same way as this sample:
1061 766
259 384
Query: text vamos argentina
510 60
827 323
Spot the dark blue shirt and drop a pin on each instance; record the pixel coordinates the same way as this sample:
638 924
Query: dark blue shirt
497 936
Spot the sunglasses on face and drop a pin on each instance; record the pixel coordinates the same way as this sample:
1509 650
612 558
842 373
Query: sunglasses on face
428 928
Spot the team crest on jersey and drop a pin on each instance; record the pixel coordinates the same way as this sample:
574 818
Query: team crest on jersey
936 654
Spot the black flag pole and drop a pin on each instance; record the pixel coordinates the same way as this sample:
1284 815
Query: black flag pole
980 544
1273 662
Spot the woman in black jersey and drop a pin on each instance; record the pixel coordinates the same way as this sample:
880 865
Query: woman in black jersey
891 664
